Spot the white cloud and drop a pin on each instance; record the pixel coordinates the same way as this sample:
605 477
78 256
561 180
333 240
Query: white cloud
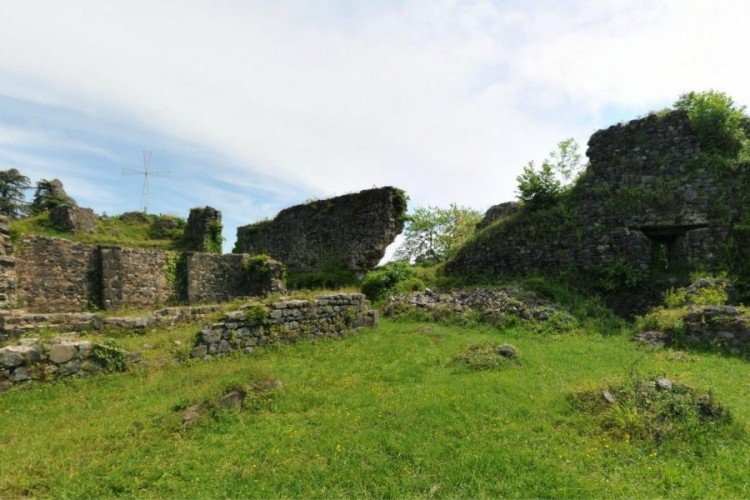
446 99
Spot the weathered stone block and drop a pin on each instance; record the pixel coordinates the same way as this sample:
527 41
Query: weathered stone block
61 353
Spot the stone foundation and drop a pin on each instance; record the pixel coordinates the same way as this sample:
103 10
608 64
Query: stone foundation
14 324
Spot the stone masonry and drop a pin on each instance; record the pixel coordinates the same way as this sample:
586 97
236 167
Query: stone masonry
350 231
284 322
648 210
50 275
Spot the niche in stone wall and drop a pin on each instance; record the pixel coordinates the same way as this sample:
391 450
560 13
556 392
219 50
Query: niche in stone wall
668 256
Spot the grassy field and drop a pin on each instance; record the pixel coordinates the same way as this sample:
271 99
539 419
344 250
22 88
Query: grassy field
380 413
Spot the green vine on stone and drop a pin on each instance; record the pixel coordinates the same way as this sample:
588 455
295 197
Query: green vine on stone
110 355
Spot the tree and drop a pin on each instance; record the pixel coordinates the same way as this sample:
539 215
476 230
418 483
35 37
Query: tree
12 186
718 121
48 195
433 234
544 187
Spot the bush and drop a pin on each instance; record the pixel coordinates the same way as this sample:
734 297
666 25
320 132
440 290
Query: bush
718 122
331 278
379 283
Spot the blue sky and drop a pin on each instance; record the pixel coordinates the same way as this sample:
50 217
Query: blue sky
254 106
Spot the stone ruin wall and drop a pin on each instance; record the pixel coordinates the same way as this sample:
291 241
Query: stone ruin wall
135 277
215 278
8 277
284 322
57 275
350 231
647 191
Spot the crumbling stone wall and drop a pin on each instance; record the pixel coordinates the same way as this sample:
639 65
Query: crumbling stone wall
203 230
719 326
649 209
8 280
136 277
17 323
218 278
350 231
33 359
56 275
284 322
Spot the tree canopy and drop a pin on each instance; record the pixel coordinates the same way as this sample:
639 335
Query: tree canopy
543 187
433 234
48 195
12 186
720 124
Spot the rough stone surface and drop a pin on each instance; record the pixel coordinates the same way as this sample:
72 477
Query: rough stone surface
17 323
231 400
350 231
73 219
492 304
8 276
721 326
35 359
218 278
135 277
51 275
201 227
498 211
61 353
327 315
56 275
648 210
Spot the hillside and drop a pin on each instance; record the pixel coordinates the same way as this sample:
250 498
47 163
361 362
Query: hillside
132 229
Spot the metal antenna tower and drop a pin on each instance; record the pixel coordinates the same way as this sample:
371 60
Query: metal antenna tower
145 173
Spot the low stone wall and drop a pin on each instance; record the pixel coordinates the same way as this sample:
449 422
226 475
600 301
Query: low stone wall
284 322
721 326
14 324
33 359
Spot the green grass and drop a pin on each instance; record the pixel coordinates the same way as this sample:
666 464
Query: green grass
109 231
382 412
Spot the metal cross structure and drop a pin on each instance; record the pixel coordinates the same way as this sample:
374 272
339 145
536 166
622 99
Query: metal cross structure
145 173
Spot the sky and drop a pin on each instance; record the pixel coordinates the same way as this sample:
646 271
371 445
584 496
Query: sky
254 106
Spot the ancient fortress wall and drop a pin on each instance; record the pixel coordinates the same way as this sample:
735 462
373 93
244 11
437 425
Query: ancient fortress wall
55 275
350 231
651 208
137 278
213 278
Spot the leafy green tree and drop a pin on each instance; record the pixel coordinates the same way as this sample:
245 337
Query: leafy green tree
718 121
48 195
543 187
433 234
12 186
